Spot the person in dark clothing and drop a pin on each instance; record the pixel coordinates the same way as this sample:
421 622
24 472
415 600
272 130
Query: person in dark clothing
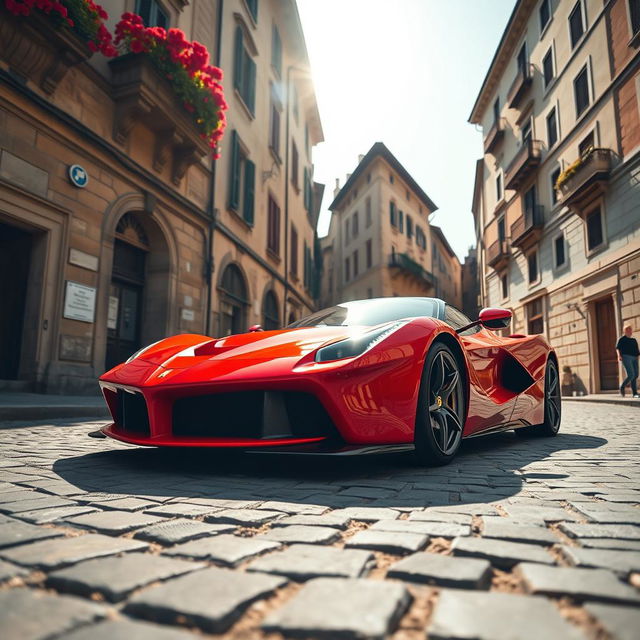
627 348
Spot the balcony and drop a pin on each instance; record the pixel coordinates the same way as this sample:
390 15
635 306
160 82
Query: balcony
520 86
37 51
586 179
498 254
523 165
527 229
495 135
143 96
403 262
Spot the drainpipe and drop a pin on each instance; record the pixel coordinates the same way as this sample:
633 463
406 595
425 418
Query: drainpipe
211 210
290 68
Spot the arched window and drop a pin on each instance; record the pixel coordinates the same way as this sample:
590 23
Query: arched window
233 301
270 317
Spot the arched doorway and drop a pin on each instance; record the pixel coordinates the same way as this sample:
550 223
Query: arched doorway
233 301
124 316
270 317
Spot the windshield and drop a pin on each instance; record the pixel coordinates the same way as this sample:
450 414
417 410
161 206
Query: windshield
369 313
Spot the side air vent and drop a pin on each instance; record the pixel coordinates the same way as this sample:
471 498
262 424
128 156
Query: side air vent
514 376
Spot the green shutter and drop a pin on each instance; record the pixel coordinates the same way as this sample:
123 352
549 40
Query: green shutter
306 189
253 8
237 60
251 85
234 184
392 213
249 187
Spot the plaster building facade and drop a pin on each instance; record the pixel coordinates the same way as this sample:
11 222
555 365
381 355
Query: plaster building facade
380 242
471 300
446 269
557 197
159 239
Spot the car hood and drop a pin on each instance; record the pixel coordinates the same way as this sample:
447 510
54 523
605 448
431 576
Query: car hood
259 345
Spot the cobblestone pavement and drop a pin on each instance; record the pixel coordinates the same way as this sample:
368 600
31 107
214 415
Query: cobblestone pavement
518 538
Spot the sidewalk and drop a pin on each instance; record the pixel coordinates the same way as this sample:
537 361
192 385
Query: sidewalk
40 406
609 398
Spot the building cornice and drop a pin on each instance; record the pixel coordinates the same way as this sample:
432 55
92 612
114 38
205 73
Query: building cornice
501 58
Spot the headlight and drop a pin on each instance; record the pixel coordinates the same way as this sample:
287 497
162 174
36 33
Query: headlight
352 347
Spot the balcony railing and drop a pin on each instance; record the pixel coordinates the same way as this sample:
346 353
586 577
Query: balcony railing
520 86
405 263
523 165
527 229
585 179
495 135
498 254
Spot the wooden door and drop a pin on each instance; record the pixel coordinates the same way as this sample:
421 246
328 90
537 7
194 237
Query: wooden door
606 344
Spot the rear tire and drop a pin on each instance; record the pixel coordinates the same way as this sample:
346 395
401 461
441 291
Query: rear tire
441 408
552 406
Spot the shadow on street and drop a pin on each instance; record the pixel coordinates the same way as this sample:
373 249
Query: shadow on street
486 469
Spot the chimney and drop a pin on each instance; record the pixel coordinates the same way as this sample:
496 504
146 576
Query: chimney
336 190
360 158
348 175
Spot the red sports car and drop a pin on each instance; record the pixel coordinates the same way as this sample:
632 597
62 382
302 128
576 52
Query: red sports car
359 377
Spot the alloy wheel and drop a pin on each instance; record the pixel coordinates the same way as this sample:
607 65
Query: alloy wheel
552 398
445 402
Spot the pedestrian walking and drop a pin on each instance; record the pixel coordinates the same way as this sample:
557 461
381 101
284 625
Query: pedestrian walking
627 348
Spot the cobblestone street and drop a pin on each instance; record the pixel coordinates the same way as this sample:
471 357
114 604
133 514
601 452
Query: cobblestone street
518 538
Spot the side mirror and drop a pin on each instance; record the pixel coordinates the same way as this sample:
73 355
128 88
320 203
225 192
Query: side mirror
494 318
254 328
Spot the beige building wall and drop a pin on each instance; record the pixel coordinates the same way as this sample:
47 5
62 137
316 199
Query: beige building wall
579 302
147 191
400 264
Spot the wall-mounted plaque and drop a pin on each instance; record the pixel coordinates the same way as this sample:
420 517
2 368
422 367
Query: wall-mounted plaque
82 259
79 302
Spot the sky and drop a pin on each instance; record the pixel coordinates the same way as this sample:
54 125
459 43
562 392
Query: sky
405 73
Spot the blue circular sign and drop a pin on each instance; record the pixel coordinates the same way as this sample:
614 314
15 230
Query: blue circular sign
78 176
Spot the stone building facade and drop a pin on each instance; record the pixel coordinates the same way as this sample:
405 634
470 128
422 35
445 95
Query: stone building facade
116 228
557 199
380 242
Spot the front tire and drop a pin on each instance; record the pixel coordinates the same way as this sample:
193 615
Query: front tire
441 408
552 406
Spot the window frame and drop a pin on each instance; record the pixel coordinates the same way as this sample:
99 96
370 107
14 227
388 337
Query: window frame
553 112
154 6
273 226
543 27
503 278
555 201
586 69
295 166
598 204
533 252
551 53
293 252
276 51
540 316
634 40
242 183
369 253
244 71
559 236
583 14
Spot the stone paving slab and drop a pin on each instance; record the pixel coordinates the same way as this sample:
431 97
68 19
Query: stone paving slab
60 552
622 623
618 531
26 613
302 534
113 522
181 509
116 578
304 561
587 584
499 552
505 530
244 517
211 599
340 521
621 562
16 533
341 608
8 570
224 549
180 530
388 541
55 514
443 571
130 630
474 615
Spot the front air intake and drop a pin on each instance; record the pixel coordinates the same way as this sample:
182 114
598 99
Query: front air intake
253 415
131 413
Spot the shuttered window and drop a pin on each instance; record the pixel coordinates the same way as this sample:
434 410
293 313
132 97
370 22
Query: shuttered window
393 214
244 72
242 181
253 9
276 51
294 251
273 227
